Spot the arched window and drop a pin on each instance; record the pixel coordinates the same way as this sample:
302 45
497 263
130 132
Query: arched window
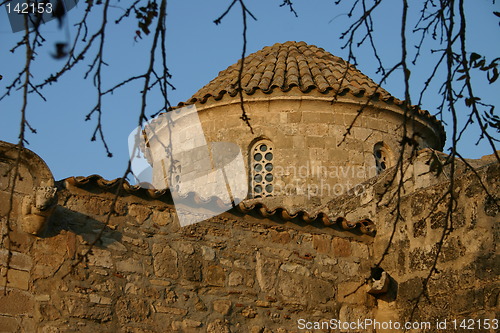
383 157
261 169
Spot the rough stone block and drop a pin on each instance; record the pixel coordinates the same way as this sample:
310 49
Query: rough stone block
129 266
294 117
139 212
235 279
132 310
191 268
171 310
292 286
320 291
352 292
281 237
16 302
19 261
222 306
322 243
298 142
295 268
9 324
341 247
165 261
360 250
190 323
215 275
101 258
348 268
315 142
207 253
311 117
218 326
15 278
266 271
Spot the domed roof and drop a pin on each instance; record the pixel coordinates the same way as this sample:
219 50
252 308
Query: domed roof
287 65
297 64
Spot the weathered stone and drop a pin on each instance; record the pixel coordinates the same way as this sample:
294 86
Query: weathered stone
282 237
15 278
135 241
262 304
94 298
438 220
187 248
165 261
171 310
191 323
419 228
226 262
320 291
248 312
410 289
222 306
9 324
77 307
491 207
50 329
129 266
191 268
19 261
42 298
360 250
422 259
235 279
131 309
163 283
215 276
162 218
140 213
295 268
256 329
208 253
322 243
242 263
266 271
291 286
341 247
101 258
348 268
218 326
351 293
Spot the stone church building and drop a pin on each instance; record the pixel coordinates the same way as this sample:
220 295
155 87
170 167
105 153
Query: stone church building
318 245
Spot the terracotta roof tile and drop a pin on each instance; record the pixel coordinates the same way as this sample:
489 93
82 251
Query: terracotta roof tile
365 226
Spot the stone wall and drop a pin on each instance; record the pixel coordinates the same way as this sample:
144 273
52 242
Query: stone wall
235 273
242 272
465 284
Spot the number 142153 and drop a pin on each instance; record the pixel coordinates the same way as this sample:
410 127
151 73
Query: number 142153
30 8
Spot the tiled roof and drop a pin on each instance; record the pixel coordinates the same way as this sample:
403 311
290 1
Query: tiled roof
287 65
365 226
297 64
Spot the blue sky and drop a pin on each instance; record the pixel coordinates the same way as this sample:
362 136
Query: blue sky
197 51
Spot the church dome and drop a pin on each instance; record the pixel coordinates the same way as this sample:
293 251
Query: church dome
307 137
288 65
284 66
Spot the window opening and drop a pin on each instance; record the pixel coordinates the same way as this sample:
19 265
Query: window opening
383 157
261 166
